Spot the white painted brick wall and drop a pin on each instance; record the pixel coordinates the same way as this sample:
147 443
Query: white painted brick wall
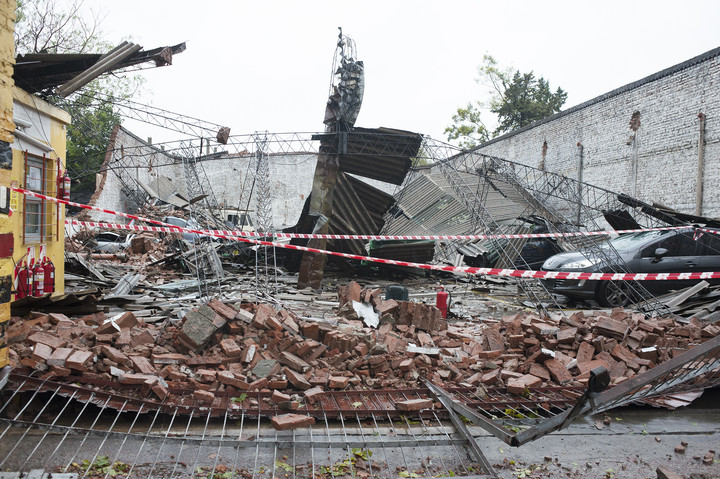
667 139
290 180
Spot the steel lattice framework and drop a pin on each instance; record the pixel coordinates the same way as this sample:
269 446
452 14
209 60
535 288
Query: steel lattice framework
569 205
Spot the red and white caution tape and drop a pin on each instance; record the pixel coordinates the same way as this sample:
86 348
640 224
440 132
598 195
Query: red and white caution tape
235 233
88 207
256 234
434 267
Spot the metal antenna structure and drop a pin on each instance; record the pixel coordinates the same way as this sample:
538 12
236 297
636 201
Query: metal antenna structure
204 256
265 261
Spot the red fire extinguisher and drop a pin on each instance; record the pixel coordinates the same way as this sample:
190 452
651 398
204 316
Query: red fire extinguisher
49 268
63 186
23 281
38 272
442 302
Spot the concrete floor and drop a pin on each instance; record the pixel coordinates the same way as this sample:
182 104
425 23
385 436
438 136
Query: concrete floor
633 445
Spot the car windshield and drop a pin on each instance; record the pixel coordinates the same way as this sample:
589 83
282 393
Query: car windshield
175 221
631 241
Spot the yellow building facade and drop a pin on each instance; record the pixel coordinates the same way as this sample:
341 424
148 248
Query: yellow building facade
7 127
38 159
32 152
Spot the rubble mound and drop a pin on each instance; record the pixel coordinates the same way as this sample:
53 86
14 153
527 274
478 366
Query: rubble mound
233 348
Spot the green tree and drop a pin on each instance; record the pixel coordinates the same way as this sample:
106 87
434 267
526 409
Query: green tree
526 99
468 128
88 136
517 99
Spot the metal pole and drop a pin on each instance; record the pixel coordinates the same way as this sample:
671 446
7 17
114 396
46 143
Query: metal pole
700 167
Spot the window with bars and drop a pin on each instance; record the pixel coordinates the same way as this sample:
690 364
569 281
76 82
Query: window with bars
40 217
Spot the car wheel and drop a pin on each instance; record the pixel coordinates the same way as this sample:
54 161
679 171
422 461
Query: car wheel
614 294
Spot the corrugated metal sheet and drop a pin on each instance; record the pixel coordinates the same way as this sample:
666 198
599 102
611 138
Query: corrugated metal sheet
358 208
431 206
382 154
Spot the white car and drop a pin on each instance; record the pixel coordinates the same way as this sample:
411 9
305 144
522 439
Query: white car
110 242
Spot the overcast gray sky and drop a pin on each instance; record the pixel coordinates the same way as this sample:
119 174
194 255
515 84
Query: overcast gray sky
266 65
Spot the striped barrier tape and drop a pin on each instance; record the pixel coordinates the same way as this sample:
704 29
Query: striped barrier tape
341 236
235 233
434 267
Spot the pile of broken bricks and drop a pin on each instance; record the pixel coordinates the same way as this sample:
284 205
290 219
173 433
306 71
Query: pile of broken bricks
225 348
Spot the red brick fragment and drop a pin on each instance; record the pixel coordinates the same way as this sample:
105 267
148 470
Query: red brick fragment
558 371
131 378
59 357
314 394
114 355
278 397
78 360
47 339
611 328
143 338
142 365
585 353
230 348
205 375
516 386
293 362
168 358
205 397
414 404
224 310
228 378
264 311
41 352
291 421
160 392
122 321
338 382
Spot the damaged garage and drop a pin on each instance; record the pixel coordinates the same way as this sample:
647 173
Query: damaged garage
358 302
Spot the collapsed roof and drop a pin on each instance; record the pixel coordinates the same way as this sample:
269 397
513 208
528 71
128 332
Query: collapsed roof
41 72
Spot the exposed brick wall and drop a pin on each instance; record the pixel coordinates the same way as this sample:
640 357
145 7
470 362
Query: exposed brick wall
667 138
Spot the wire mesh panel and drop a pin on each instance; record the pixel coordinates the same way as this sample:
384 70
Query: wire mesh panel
71 429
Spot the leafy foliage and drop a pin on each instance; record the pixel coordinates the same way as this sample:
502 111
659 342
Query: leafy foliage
526 99
468 127
517 99
102 467
87 138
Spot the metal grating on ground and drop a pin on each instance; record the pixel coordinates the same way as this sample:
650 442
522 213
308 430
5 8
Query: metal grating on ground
84 429
693 370
79 429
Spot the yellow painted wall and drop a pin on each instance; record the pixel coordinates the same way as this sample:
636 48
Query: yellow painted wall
58 121
7 62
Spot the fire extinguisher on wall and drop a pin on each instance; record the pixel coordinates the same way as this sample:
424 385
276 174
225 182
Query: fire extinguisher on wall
442 301
23 280
63 185
49 268
38 273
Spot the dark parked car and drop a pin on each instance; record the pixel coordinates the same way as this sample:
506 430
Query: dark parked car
675 251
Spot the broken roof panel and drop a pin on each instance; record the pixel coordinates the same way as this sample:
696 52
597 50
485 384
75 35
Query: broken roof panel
36 72
383 154
430 205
